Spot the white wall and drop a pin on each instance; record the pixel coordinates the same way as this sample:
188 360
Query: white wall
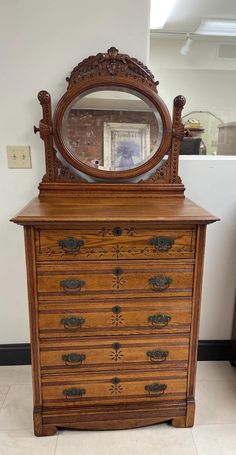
208 83
41 41
210 182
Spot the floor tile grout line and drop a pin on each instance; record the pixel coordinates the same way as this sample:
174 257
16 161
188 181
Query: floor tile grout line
214 423
217 380
18 429
194 443
1 407
14 384
54 453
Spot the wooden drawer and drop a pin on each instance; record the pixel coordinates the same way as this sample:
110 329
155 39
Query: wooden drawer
149 316
117 352
66 391
95 280
114 242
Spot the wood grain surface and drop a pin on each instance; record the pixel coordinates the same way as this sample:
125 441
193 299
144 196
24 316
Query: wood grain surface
107 317
101 389
59 210
114 242
96 354
133 280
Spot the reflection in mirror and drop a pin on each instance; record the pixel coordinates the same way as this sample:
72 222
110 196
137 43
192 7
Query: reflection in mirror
112 130
202 133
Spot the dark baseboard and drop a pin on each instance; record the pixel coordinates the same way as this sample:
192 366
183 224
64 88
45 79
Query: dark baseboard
214 350
15 354
19 354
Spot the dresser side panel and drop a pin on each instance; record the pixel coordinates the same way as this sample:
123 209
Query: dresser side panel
34 326
197 291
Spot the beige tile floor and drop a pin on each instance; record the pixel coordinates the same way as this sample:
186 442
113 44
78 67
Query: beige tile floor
214 432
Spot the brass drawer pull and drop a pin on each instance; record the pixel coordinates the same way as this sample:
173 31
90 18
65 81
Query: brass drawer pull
160 283
156 388
72 285
73 393
73 323
71 245
159 320
162 243
73 359
157 356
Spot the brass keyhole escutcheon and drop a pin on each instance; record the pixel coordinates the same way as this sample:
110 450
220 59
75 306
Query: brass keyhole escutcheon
117 231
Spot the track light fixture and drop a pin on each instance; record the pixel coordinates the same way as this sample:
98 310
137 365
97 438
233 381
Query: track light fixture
185 49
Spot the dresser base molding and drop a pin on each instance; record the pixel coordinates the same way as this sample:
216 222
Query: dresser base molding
117 418
50 430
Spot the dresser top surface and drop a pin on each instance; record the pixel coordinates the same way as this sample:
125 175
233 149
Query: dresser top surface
112 209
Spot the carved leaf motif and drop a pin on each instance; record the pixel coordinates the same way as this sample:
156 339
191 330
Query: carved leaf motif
116 389
179 101
104 231
131 231
111 63
118 282
65 174
117 251
117 319
116 355
160 174
44 97
178 132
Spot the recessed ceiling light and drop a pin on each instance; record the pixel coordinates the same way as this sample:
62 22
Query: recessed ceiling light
217 27
160 10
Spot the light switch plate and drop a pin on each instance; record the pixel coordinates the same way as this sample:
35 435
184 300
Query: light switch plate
19 157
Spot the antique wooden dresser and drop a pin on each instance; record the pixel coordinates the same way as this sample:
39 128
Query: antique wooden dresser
114 256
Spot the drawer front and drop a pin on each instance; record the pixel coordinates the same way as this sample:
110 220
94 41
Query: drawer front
93 281
114 242
109 317
113 388
96 353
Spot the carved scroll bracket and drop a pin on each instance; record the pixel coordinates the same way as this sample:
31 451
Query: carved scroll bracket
64 174
160 175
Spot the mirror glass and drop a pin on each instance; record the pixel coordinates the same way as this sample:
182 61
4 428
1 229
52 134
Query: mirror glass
204 134
112 130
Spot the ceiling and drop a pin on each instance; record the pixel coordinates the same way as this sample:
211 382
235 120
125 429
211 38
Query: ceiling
187 14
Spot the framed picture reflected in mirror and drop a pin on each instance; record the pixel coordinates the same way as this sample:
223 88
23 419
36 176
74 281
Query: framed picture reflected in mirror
126 145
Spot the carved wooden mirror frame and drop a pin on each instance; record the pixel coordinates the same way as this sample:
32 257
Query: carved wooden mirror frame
110 69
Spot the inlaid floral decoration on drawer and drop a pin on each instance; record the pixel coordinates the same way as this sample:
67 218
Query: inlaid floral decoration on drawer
114 243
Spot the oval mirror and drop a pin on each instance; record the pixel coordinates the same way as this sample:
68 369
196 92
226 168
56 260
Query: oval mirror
112 129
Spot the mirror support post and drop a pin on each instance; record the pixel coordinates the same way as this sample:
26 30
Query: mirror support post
46 134
177 138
